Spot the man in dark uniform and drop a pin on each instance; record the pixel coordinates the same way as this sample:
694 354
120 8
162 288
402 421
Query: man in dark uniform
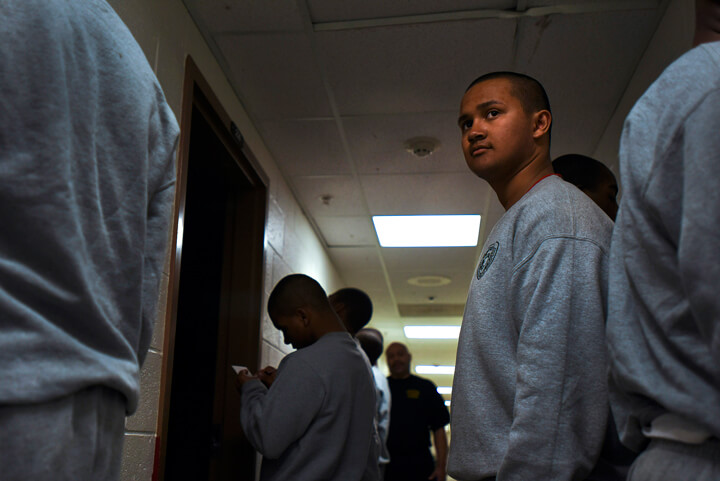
417 409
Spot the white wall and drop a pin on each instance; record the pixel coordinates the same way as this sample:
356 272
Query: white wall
167 34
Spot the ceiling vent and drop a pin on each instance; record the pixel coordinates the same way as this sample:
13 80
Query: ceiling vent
429 281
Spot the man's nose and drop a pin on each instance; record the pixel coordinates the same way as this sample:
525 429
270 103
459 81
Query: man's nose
476 133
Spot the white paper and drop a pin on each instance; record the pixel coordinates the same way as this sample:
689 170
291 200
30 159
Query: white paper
237 369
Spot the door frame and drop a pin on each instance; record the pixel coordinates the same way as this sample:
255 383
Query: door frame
197 94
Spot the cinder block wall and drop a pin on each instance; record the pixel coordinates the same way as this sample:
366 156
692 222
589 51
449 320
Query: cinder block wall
167 34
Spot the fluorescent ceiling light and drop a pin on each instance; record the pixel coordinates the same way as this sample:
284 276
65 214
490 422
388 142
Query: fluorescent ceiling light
444 390
447 403
432 332
427 230
426 369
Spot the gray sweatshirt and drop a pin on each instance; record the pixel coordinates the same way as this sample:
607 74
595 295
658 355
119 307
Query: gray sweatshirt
317 419
664 312
529 393
87 174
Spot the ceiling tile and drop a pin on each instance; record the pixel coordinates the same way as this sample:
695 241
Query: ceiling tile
412 68
453 293
586 77
355 258
377 143
429 260
347 231
306 148
424 194
344 194
334 11
246 15
275 75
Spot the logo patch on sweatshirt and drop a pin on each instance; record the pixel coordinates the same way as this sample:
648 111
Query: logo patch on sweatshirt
413 393
487 260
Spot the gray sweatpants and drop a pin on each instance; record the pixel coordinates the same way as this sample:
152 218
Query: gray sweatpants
672 461
74 438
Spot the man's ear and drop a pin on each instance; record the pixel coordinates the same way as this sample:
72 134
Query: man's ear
542 121
303 314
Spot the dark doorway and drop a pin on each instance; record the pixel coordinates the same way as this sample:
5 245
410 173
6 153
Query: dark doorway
215 303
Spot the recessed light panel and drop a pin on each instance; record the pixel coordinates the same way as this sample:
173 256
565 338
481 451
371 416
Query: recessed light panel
444 390
427 230
426 369
432 332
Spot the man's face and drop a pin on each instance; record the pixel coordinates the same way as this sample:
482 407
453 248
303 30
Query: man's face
496 131
294 330
398 360
605 195
339 309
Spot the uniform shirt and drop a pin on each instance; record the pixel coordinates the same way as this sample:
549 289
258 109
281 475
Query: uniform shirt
530 385
317 419
417 409
664 317
87 177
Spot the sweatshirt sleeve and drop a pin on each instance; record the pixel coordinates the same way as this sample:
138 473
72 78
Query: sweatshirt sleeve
560 405
273 419
163 141
699 232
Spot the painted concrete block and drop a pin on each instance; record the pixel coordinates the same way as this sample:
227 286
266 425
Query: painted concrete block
138 457
145 418
158 337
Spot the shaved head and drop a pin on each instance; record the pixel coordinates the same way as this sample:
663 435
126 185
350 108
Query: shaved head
294 291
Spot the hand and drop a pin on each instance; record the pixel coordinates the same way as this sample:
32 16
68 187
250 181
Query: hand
267 375
243 377
439 474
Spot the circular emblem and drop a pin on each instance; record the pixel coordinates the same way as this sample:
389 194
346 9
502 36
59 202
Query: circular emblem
487 260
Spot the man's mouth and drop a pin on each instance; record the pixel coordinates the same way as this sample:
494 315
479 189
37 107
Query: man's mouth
479 149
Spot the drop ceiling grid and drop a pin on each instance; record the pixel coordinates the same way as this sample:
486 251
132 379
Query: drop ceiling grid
243 16
417 194
412 68
276 74
377 142
454 293
334 11
586 75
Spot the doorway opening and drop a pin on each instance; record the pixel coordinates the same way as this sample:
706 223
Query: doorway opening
215 298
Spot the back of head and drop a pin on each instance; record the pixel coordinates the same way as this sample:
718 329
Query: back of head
592 177
371 341
582 171
296 290
353 306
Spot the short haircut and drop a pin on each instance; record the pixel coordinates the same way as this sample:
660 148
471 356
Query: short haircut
527 90
294 291
371 341
405 348
582 171
358 307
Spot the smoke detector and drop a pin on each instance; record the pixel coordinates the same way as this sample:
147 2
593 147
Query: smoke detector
422 146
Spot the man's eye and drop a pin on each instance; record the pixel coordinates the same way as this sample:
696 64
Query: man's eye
493 113
465 125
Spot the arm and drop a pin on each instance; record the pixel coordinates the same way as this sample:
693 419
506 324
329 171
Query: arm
439 417
161 155
560 405
441 449
274 418
698 258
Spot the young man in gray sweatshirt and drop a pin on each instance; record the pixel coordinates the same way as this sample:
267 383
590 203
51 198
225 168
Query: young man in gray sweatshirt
664 319
87 181
530 389
316 420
